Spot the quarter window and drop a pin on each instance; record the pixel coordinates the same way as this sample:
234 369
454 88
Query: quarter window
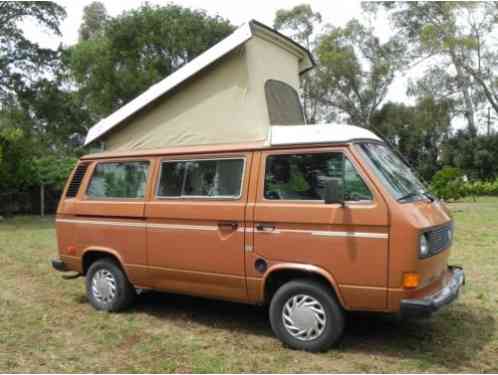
305 176
221 178
119 180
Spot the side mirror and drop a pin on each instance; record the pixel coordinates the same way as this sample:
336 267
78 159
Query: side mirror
334 191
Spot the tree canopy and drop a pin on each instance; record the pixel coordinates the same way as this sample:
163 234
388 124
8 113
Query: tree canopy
356 70
49 98
22 60
135 50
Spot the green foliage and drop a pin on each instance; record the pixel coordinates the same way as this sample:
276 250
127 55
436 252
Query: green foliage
52 170
298 23
94 19
481 188
356 70
417 131
448 184
20 59
137 49
25 161
58 119
454 34
15 150
476 156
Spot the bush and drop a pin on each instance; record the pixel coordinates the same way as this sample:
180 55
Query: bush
479 188
448 184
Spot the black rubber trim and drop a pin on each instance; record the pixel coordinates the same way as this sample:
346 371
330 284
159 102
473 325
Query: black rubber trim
59 265
428 305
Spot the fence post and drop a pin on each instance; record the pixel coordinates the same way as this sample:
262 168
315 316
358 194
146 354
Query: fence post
42 199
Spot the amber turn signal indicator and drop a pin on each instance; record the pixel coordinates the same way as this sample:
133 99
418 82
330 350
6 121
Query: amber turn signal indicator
411 280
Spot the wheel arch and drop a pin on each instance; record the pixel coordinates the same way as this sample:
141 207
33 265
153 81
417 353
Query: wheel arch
92 254
279 274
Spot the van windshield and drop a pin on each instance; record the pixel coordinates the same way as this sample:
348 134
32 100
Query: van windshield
394 172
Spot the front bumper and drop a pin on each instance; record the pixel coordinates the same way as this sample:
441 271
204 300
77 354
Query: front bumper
427 305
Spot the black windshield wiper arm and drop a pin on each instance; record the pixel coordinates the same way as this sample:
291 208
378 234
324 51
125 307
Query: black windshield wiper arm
429 196
408 196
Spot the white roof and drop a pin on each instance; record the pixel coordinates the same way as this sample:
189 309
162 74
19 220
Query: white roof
234 40
313 134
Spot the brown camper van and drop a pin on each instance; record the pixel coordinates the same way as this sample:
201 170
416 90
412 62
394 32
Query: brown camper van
318 221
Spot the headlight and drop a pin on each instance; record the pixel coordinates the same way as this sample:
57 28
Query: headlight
424 246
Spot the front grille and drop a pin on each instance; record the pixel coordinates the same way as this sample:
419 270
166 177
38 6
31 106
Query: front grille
440 239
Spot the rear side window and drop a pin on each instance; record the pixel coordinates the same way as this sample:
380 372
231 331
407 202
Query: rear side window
119 180
219 178
74 185
304 177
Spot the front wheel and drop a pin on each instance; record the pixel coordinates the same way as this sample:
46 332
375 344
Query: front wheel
305 315
107 286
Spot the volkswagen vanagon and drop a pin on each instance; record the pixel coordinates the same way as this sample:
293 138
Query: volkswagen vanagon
319 221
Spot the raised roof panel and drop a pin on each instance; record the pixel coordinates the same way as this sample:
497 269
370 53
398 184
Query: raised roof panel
315 134
237 39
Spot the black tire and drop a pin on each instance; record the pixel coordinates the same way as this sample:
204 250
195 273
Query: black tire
333 327
124 294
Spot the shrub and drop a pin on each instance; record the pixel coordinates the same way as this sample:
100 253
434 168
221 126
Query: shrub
479 188
448 184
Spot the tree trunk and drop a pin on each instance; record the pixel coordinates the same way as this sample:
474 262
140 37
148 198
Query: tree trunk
464 86
42 200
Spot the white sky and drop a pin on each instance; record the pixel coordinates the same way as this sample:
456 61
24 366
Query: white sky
334 12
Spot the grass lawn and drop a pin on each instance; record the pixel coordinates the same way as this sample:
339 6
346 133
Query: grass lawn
46 324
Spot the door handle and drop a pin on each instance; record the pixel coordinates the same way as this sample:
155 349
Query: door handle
228 225
265 227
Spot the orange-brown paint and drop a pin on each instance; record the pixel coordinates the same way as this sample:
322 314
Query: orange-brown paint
186 246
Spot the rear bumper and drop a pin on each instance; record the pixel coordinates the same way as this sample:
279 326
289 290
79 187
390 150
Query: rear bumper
427 305
59 265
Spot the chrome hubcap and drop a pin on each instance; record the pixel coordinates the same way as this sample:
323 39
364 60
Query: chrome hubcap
104 286
304 317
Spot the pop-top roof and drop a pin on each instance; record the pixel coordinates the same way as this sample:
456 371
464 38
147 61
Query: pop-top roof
315 134
234 40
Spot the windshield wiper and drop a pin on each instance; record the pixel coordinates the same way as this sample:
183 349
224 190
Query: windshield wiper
408 196
429 196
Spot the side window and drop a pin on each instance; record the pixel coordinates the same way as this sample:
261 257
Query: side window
221 178
119 180
355 188
304 177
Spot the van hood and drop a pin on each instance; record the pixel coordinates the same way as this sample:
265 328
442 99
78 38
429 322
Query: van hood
429 214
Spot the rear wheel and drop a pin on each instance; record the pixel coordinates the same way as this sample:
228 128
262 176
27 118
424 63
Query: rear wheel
305 315
107 286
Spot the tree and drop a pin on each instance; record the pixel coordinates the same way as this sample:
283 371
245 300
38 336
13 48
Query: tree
476 156
455 34
299 24
57 117
356 70
137 49
53 171
94 19
16 149
418 131
21 60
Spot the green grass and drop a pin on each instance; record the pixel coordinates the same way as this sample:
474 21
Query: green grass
46 324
